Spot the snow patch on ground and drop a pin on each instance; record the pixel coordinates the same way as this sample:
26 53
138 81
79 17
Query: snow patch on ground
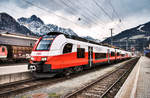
137 36
140 28
122 39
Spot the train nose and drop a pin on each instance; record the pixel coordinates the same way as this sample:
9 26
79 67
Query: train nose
32 68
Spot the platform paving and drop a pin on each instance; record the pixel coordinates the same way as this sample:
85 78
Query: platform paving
4 70
137 84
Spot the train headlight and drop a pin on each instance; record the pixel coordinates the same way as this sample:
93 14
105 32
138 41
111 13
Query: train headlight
44 59
32 58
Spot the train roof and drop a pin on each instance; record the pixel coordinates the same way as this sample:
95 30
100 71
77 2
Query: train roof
21 36
15 39
74 37
84 40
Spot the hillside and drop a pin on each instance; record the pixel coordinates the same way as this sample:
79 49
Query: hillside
9 24
137 37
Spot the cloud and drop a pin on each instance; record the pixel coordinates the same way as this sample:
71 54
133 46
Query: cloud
93 20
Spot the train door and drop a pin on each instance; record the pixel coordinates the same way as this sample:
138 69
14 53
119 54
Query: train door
90 56
115 54
108 55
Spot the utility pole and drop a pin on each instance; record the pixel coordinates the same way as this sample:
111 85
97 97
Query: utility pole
111 30
127 42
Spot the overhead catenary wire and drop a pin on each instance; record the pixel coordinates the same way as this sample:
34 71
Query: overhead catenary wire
94 14
117 15
85 17
111 18
89 13
103 10
30 3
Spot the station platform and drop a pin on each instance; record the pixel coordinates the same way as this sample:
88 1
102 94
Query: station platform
137 84
9 74
13 69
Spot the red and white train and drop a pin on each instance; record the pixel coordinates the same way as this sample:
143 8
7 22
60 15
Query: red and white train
56 53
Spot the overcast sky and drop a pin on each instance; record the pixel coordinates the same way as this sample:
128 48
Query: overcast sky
96 16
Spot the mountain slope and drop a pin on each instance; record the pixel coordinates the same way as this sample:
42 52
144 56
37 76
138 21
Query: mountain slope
8 23
137 37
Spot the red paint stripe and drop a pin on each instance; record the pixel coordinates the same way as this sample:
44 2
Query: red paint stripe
70 60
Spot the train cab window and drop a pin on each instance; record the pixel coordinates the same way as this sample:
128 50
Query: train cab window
112 53
80 53
46 42
100 56
67 48
3 49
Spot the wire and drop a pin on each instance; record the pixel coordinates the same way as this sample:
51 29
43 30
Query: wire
103 10
49 12
116 13
114 10
89 13
74 9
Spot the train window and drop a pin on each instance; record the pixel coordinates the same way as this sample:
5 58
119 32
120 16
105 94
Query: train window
100 55
118 53
80 53
122 54
67 48
3 49
112 53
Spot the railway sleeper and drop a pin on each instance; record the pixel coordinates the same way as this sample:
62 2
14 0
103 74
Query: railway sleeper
96 91
90 95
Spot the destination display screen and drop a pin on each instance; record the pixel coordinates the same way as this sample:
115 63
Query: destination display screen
46 42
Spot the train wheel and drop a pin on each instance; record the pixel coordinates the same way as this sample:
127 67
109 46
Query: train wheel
67 72
78 68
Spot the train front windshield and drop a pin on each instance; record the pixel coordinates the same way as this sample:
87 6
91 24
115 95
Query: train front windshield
45 42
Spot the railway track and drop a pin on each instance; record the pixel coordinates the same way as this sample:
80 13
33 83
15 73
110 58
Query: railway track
15 88
107 85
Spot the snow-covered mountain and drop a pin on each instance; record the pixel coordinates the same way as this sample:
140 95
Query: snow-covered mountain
137 37
37 26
